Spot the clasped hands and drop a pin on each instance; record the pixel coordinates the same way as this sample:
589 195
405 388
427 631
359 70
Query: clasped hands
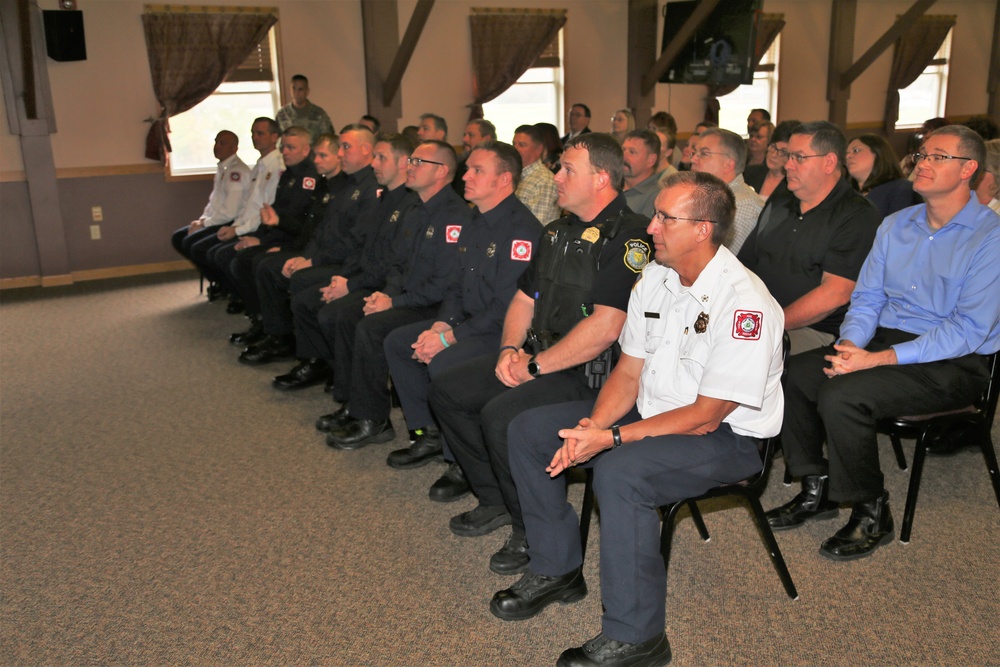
512 367
376 303
580 444
336 289
851 358
429 342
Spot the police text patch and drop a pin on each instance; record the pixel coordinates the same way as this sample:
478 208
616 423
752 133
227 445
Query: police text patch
636 254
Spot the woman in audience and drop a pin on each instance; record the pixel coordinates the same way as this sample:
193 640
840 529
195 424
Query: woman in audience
988 189
621 124
874 168
760 139
768 177
553 146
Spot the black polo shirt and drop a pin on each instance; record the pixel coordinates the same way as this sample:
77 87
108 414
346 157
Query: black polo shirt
790 250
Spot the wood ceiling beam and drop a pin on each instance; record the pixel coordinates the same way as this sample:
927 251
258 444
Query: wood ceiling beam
902 24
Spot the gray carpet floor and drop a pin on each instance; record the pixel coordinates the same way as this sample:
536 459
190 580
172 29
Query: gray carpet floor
162 505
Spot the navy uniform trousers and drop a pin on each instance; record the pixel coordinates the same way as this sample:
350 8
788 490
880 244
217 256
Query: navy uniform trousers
360 370
630 482
843 411
313 318
183 242
274 290
474 410
412 379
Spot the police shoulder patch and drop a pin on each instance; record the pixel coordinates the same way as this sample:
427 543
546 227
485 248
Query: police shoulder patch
636 255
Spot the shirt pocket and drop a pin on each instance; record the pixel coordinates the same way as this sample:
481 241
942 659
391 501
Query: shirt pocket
655 327
694 355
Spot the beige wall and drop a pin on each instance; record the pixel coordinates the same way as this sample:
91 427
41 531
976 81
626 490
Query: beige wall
101 103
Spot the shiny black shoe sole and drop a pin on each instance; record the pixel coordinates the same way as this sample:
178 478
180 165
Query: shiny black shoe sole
820 516
568 596
873 547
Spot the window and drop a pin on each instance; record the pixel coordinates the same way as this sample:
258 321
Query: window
925 97
761 94
251 91
535 98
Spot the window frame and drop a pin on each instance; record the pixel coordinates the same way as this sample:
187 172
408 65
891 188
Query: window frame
278 95
940 69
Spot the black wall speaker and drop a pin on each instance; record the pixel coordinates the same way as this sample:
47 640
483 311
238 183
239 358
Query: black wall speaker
64 35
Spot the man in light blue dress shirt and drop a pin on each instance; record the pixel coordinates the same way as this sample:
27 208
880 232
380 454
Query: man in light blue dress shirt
922 318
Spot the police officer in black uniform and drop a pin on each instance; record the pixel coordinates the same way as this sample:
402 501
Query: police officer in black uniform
494 250
558 334
333 241
362 273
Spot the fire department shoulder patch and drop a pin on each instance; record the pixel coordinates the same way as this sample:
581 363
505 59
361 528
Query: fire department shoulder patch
308 183
235 176
520 250
452 232
746 324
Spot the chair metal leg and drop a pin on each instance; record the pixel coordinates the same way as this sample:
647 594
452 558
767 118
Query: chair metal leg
201 283
919 454
698 521
986 444
897 447
586 510
667 533
772 546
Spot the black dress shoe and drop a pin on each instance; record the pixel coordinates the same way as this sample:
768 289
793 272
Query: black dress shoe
810 504
359 433
605 651
215 292
533 592
306 374
513 555
251 336
269 349
482 520
426 447
337 419
235 306
869 527
450 486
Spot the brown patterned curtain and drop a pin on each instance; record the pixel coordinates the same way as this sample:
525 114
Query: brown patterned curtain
505 43
768 27
191 53
913 52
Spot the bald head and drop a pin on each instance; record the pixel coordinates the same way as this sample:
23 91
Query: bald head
226 145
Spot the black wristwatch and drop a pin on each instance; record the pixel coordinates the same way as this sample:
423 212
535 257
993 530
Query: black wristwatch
616 437
533 368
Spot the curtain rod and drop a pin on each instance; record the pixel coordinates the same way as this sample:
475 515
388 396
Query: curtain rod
517 10
206 9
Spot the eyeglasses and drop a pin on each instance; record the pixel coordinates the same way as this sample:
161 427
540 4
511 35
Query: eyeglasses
661 217
417 161
704 153
799 158
935 158
780 152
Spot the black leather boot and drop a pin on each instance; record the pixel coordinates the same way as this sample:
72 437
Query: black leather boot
810 503
869 527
